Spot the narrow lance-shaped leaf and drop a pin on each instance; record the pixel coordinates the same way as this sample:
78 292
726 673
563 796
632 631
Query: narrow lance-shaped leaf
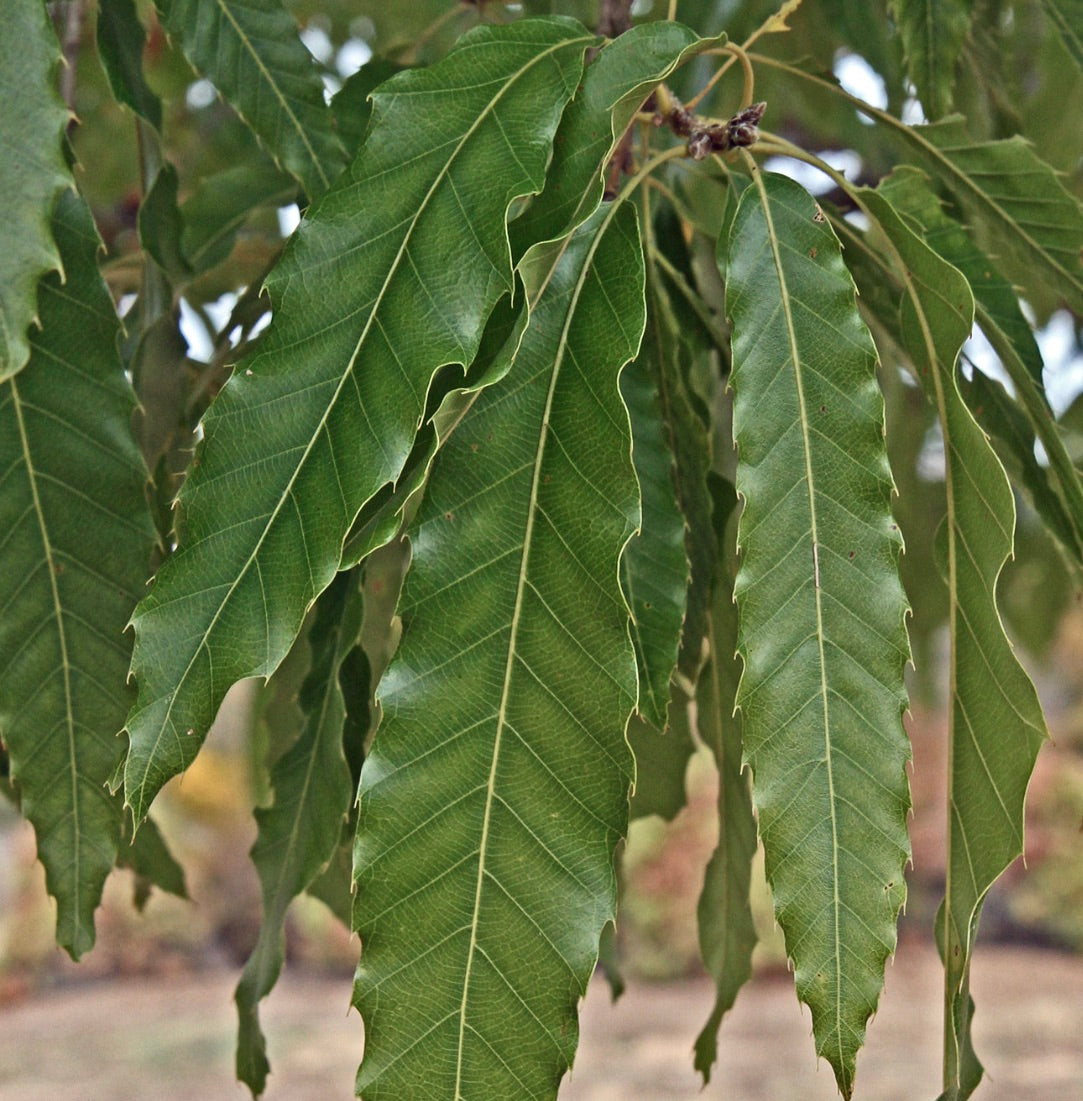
325 413
251 52
727 933
1001 318
75 543
1016 205
932 33
32 171
497 786
299 832
121 40
614 87
654 571
996 723
821 609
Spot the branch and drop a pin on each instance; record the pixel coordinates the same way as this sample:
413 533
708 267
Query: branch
615 17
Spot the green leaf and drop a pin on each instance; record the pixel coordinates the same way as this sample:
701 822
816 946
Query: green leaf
999 314
32 171
367 308
250 51
74 553
148 856
996 724
1017 206
727 933
821 609
299 833
497 785
351 105
1066 16
661 761
121 40
161 225
932 33
654 571
221 205
614 87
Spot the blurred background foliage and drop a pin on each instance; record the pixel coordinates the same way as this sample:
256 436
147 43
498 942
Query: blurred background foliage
206 815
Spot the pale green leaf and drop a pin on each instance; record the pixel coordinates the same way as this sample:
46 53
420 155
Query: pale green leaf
121 41
1066 16
932 33
615 85
727 933
996 723
299 833
497 785
250 51
821 609
388 280
75 544
32 171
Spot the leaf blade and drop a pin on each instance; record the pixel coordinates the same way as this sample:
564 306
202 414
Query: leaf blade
73 557
32 172
252 54
272 497
821 609
933 32
497 824
996 723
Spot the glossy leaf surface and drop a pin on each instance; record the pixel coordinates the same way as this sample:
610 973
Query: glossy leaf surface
497 784
821 609
386 282
75 544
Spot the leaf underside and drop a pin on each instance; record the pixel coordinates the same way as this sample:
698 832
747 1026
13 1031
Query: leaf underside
996 723
324 414
932 33
821 609
75 544
497 786
32 171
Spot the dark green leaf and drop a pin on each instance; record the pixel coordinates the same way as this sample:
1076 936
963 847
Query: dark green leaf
497 786
351 105
661 761
121 40
364 316
148 856
614 87
32 171
299 833
821 609
727 933
161 226
250 51
74 557
654 571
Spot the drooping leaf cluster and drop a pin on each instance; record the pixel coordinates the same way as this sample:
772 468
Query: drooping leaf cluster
617 381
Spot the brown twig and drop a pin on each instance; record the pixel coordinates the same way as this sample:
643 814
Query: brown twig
704 136
70 42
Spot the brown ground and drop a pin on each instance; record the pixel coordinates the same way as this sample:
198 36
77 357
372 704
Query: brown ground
170 1039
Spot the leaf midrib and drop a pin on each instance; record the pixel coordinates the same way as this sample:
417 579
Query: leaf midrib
58 614
520 590
346 374
795 354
